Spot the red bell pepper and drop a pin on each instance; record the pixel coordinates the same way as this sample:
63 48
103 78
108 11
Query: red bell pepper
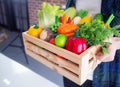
76 45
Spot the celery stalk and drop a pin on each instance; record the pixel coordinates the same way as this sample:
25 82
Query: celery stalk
110 19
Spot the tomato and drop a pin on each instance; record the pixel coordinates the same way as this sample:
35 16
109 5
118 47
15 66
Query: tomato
52 41
60 40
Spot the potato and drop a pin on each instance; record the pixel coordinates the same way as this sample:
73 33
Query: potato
46 34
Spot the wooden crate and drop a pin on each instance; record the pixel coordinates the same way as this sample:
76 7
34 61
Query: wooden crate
74 67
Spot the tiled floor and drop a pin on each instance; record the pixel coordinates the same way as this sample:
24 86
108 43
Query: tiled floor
16 54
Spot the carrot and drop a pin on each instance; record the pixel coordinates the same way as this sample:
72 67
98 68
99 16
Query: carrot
64 19
70 34
67 28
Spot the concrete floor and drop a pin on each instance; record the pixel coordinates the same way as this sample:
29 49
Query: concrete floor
16 54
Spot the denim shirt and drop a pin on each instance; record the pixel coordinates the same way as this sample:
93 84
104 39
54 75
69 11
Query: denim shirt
107 74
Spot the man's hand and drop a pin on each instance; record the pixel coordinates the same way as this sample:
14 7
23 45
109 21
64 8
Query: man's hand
111 49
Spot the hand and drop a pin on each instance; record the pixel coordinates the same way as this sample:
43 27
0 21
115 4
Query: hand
111 49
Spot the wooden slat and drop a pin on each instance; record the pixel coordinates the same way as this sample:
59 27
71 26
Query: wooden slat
83 69
91 50
57 50
54 67
52 57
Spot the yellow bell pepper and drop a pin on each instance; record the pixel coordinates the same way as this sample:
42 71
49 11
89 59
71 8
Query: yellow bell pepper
34 31
86 19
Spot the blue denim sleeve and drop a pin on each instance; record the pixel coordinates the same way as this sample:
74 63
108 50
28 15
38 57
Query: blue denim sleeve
108 74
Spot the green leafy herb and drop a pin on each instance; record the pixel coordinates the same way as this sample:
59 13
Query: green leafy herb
83 13
55 25
105 51
95 33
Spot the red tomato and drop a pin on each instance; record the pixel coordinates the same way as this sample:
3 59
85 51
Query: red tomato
52 41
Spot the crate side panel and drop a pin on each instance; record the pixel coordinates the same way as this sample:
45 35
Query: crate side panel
52 57
57 50
55 67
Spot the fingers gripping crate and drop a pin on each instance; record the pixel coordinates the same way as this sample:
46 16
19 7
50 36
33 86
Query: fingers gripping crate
74 67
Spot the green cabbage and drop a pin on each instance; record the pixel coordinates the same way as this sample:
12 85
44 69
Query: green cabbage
46 16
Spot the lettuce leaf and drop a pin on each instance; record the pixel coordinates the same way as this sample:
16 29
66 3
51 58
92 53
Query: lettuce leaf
46 16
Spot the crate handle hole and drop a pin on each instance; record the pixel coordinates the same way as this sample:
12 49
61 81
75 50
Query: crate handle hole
91 59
